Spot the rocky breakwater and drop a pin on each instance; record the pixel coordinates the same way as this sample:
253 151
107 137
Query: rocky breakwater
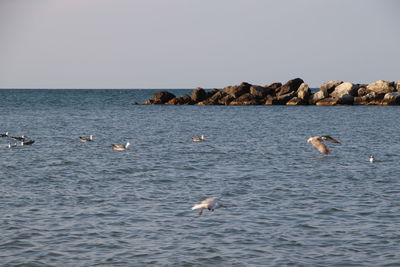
293 92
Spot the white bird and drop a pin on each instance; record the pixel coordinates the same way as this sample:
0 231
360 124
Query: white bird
4 134
317 142
199 139
85 139
371 158
120 147
210 203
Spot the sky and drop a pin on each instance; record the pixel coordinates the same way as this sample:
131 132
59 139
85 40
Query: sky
203 43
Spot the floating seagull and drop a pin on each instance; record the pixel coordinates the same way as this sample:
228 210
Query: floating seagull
18 138
27 143
85 139
4 134
120 147
199 139
371 159
317 142
9 145
209 203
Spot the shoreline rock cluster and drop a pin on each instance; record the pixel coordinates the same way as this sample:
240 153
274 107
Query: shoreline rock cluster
294 92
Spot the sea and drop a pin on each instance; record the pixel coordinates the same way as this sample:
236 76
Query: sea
68 203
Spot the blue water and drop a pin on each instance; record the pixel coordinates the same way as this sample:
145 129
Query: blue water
67 203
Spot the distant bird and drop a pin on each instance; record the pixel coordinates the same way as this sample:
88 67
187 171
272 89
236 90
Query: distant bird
120 147
209 203
371 159
85 139
4 134
317 142
9 145
199 139
27 143
18 138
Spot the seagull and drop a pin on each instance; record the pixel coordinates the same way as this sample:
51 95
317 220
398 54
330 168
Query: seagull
199 139
27 143
4 134
371 159
9 145
120 147
85 139
18 138
316 141
210 203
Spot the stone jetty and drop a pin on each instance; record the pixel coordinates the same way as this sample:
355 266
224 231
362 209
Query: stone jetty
294 92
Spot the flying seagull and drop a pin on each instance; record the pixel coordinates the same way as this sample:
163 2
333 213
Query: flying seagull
210 203
317 142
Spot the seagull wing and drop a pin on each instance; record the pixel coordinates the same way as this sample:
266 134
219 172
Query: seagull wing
330 139
318 144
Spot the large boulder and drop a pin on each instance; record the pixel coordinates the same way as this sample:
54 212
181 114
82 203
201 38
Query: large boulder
344 88
259 91
186 100
346 99
317 96
381 87
162 97
199 94
330 86
246 99
391 99
149 102
398 86
290 86
174 101
238 90
304 92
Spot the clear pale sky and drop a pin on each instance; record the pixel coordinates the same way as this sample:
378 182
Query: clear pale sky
188 43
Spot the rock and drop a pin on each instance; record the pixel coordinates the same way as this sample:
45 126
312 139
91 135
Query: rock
314 98
362 91
186 100
199 94
295 101
259 91
149 102
398 86
246 99
214 99
344 88
304 92
374 98
381 87
330 86
173 101
212 92
134 103
273 86
391 99
236 91
283 99
346 99
290 86
360 100
162 97
271 100
329 101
